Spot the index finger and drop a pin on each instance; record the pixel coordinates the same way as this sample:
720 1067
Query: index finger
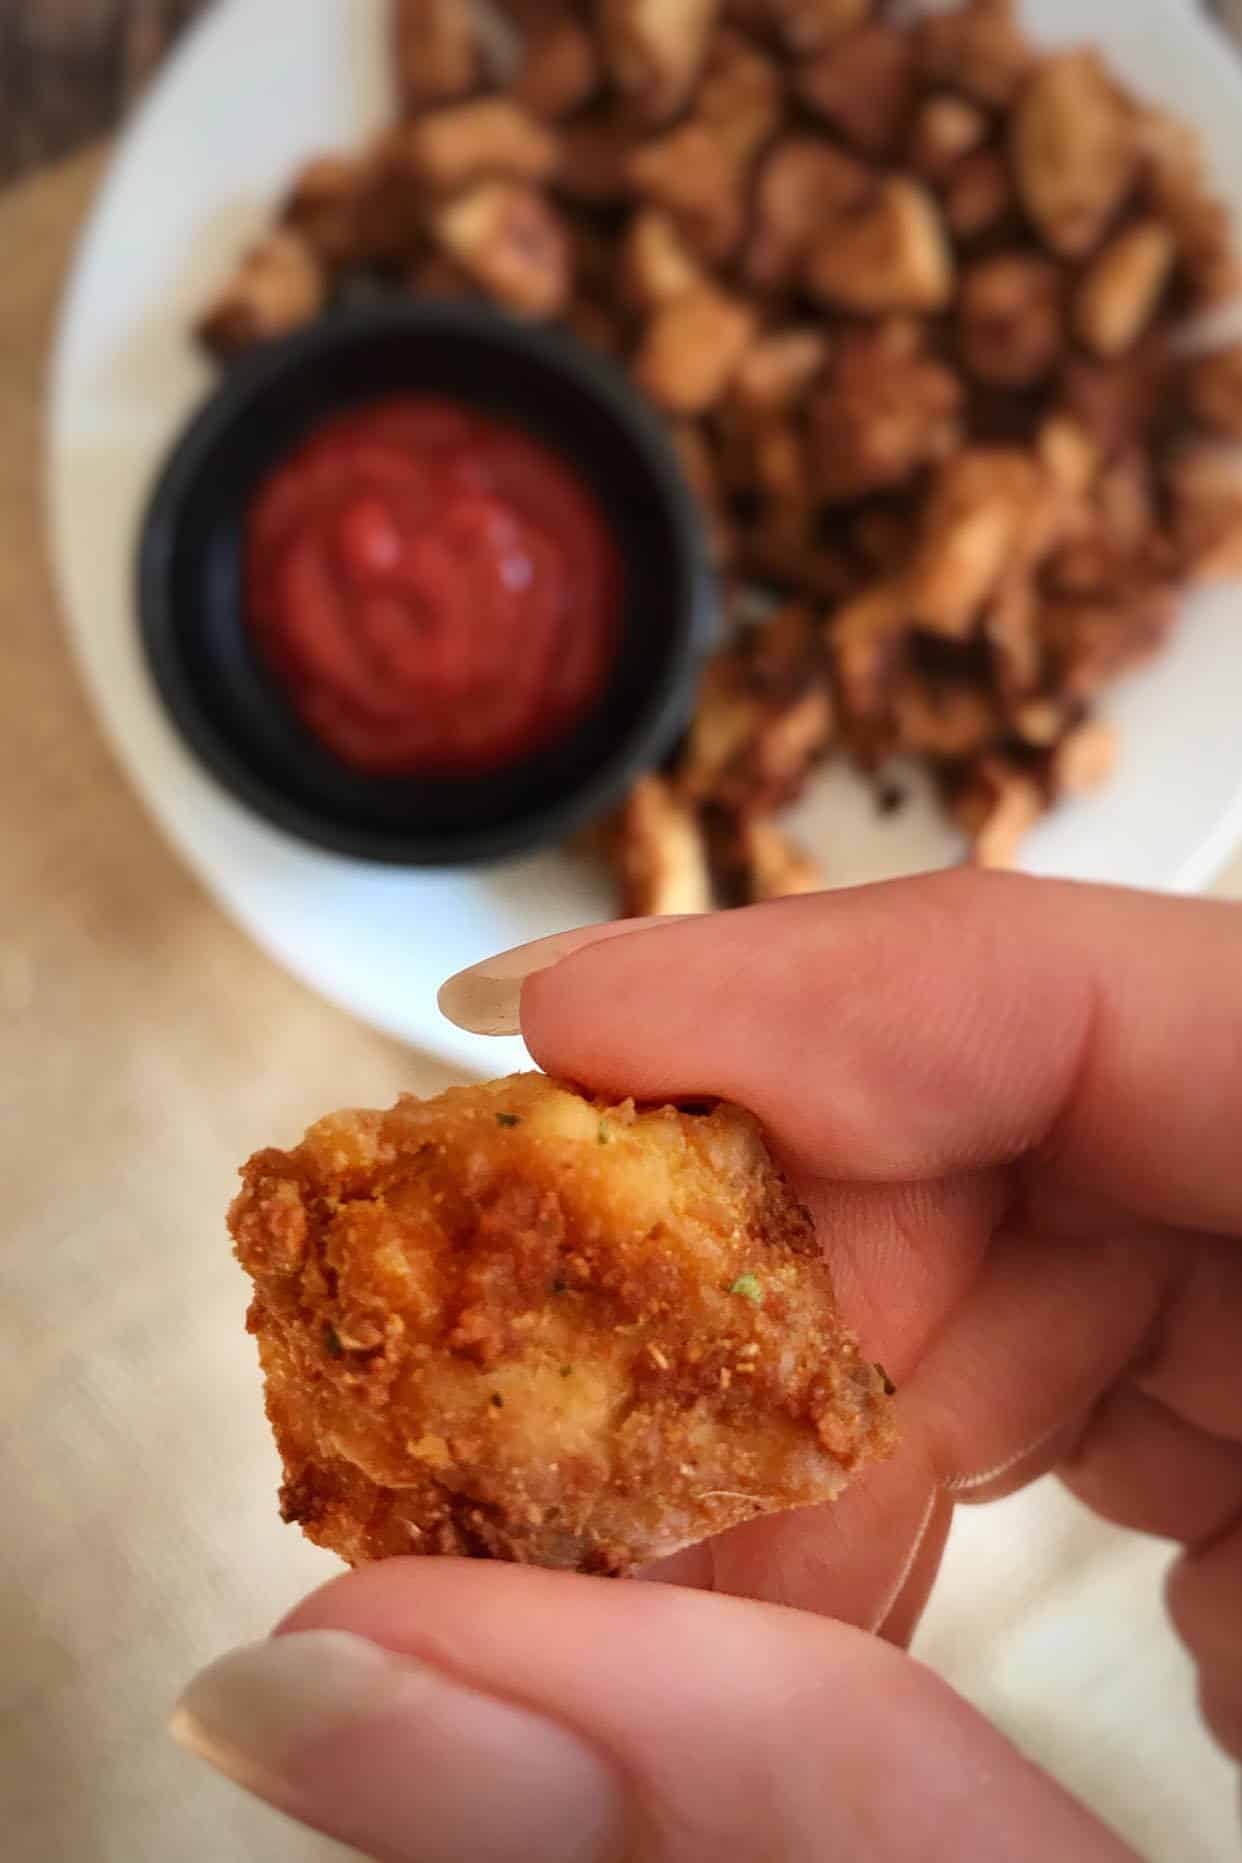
937 1025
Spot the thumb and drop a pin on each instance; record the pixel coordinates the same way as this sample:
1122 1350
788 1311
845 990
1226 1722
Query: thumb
431 1711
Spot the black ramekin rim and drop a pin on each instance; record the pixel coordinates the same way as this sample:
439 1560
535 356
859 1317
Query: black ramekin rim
657 725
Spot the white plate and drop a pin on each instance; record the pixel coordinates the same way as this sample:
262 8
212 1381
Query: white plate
242 104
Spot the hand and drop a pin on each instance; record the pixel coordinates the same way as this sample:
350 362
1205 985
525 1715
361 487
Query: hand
1016 1110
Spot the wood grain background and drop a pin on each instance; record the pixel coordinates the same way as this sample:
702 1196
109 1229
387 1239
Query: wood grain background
68 68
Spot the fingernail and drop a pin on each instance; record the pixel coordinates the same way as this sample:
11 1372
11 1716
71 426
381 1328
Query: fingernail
487 998
390 1755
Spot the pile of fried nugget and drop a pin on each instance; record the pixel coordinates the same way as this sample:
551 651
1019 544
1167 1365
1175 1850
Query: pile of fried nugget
910 295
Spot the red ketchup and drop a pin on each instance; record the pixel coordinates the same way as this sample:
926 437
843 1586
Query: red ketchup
435 590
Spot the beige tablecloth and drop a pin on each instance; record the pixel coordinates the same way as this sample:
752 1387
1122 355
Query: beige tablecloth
146 1047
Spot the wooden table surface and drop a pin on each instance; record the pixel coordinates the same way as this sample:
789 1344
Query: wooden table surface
69 67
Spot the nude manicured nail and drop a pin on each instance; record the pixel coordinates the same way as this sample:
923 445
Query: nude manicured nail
395 1757
253 1712
486 999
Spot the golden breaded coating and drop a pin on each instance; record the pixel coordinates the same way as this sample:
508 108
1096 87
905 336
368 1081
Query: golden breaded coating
514 1322
436 50
659 853
279 285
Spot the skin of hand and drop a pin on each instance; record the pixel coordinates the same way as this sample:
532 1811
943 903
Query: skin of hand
1015 1108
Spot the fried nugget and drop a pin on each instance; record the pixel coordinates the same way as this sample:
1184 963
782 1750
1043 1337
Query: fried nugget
280 285
889 254
516 1322
1075 151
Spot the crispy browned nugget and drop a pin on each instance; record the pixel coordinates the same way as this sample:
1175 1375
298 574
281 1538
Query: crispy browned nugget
515 1322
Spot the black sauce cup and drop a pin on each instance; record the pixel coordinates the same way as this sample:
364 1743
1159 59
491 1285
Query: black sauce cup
235 717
